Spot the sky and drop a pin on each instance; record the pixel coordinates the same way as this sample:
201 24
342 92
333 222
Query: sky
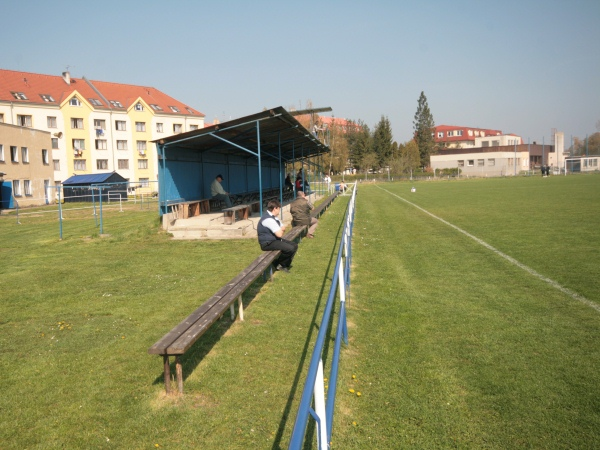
523 67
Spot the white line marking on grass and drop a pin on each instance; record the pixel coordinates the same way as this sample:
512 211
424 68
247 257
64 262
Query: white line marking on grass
574 295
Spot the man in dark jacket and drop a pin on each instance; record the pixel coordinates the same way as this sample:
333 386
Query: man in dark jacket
300 210
270 232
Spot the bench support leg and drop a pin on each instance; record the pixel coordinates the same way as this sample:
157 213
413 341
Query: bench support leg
241 308
179 374
167 373
232 311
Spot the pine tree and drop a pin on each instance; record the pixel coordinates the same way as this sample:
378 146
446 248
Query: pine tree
424 128
382 141
359 142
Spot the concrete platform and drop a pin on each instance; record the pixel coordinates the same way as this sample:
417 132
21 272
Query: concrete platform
212 226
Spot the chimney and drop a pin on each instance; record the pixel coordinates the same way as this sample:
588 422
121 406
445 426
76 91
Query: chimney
67 77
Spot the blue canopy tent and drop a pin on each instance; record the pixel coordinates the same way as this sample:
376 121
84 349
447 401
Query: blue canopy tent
80 188
250 152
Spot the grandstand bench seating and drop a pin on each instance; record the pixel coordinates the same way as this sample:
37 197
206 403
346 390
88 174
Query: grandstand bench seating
179 340
241 212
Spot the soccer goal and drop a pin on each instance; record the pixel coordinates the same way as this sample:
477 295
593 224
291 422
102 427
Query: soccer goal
581 164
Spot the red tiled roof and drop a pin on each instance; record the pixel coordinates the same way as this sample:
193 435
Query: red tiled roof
33 86
465 133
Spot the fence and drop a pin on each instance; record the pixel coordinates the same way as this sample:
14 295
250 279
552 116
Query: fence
95 197
314 386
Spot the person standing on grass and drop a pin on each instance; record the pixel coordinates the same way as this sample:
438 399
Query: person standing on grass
270 232
217 191
300 210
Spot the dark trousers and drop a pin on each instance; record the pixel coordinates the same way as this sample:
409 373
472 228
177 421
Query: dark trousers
288 250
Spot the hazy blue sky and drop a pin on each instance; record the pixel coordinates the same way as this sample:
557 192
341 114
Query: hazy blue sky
523 67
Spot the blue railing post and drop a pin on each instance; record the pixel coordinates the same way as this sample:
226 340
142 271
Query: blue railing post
314 384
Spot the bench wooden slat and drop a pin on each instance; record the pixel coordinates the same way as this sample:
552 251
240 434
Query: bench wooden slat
177 341
160 348
217 305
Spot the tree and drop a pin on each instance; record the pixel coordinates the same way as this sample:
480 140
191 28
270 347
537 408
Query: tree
382 141
338 158
424 128
587 146
409 155
359 142
369 162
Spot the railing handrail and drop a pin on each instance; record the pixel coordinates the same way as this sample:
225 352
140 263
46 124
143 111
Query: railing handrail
315 367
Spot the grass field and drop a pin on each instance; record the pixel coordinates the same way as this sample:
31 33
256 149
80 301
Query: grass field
452 345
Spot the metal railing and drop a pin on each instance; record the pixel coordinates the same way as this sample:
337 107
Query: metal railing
314 387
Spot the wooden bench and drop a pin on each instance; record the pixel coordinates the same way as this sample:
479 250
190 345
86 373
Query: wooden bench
240 212
177 341
319 210
191 208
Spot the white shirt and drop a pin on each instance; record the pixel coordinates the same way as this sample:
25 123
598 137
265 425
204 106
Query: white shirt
272 223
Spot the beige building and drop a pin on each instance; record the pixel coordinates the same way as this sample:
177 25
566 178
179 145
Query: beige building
95 126
26 166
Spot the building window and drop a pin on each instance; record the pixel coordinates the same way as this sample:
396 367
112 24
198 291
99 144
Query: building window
176 128
120 125
116 103
174 109
121 145
54 143
159 127
78 144
491 162
79 164
19 95
141 146
76 123
440 134
74 102
480 163
450 133
470 162
47 97
155 107
461 163
142 163
485 143
95 102
139 106
27 187
1 117
495 143
145 182
1 153
123 164
25 155
100 124
459 132
56 164
470 132
14 154
101 144
51 122
17 188
102 164
140 126
24 121
45 160
193 127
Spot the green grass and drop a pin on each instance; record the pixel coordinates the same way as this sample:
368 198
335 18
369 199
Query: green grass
455 347
452 346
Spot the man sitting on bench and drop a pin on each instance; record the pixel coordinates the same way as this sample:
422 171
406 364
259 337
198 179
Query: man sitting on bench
217 191
270 231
